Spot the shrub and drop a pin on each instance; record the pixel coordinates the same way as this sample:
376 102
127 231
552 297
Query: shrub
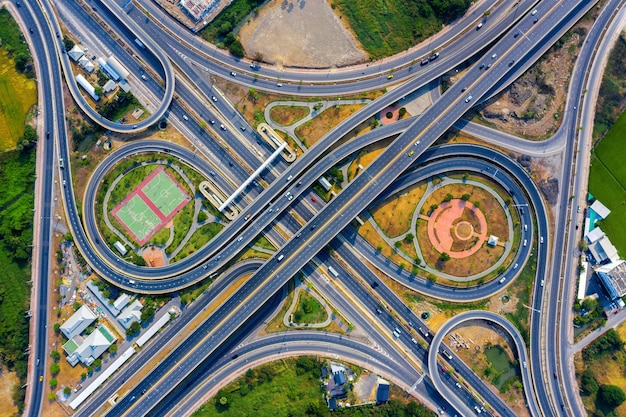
611 395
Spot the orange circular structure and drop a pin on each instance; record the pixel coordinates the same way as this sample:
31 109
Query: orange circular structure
448 221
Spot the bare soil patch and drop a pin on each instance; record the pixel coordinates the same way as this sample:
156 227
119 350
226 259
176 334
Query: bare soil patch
7 381
288 115
154 257
313 130
316 37
533 106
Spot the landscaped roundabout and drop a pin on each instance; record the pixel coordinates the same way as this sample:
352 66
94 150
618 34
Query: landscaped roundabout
149 210
456 228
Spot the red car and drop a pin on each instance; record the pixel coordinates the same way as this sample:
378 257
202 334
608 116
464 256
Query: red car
313 199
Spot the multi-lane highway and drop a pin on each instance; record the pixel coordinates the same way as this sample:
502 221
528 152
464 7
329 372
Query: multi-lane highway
518 37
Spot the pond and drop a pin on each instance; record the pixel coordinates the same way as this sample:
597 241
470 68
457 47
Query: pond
500 362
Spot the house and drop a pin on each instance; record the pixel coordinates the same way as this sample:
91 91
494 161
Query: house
600 209
130 314
382 391
603 251
89 349
119 69
79 321
340 378
197 9
120 246
493 240
594 235
121 302
613 278
109 86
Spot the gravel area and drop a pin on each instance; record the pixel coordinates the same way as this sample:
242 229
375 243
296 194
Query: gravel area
300 33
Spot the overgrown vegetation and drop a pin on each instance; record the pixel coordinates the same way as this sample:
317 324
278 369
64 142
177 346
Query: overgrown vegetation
14 43
17 173
291 387
118 106
223 29
387 27
612 97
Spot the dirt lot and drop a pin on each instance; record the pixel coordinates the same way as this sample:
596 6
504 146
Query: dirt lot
7 381
533 105
288 115
317 37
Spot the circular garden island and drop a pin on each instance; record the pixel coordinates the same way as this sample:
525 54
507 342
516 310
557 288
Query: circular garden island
453 229
150 212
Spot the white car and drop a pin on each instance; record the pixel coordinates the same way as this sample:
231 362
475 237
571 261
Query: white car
468 99
143 77
233 74
185 117
534 12
541 239
214 98
479 26
279 84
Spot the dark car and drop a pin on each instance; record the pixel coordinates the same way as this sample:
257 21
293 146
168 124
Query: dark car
31 30
374 284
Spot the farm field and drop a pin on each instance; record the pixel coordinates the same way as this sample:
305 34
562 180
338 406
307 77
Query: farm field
607 182
18 94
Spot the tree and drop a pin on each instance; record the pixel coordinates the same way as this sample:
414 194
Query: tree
54 368
67 390
55 355
444 257
113 349
402 112
68 43
236 48
52 396
97 363
588 383
76 305
409 237
398 244
448 197
611 395
53 383
465 197
589 304
21 61
99 91
56 327
83 375
134 328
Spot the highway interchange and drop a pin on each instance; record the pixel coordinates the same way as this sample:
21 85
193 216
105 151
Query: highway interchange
327 224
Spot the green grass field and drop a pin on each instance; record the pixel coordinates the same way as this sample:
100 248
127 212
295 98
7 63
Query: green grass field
387 27
309 310
138 217
18 94
164 193
607 182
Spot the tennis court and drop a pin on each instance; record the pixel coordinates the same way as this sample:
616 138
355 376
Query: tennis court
164 192
138 218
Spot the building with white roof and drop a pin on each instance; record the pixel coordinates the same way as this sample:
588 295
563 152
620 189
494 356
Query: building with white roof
600 209
75 53
131 314
87 86
594 235
90 348
117 67
109 86
88 66
603 251
121 302
79 321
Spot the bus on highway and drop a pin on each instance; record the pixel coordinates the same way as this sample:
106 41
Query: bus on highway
333 272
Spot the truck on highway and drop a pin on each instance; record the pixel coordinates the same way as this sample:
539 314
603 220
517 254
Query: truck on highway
446 354
333 272
140 44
